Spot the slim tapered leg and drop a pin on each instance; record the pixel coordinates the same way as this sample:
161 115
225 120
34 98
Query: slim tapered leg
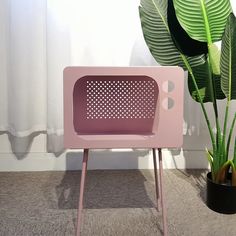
157 184
162 193
81 194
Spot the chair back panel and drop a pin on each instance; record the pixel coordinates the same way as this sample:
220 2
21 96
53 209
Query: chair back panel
122 107
114 104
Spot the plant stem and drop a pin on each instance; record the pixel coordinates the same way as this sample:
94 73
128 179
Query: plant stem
234 156
228 102
212 83
225 127
209 59
230 134
201 102
213 97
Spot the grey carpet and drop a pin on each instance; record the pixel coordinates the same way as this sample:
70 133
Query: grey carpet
116 203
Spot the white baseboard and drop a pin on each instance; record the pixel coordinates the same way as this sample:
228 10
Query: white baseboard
102 159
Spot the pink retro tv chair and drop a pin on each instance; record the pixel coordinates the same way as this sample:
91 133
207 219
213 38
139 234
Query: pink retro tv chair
123 107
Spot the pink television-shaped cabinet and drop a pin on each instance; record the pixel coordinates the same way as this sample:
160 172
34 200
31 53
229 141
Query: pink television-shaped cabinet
123 107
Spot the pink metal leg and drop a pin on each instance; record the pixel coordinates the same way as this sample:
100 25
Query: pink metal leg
81 194
157 184
162 193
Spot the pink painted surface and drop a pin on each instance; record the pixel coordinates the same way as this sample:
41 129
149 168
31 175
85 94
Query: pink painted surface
119 107
114 104
81 192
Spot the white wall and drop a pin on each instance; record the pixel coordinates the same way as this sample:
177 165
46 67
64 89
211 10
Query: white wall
39 160
191 156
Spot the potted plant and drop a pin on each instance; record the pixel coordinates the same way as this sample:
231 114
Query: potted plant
183 33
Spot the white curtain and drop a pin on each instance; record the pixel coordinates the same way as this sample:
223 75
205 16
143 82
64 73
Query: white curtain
38 39
41 37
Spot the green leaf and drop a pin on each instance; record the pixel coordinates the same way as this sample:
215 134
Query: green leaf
203 20
228 59
233 179
210 160
221 175
184 43
233 176
201 74
215 58
230 136
234 155
153 15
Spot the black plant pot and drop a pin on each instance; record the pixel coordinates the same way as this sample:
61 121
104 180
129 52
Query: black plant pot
221 198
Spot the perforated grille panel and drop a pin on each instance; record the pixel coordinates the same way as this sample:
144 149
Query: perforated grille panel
120 99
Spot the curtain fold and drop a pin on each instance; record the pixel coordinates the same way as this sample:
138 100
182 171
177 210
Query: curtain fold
23 70
39 38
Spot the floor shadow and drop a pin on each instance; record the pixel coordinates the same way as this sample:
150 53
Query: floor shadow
104 188
197 178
